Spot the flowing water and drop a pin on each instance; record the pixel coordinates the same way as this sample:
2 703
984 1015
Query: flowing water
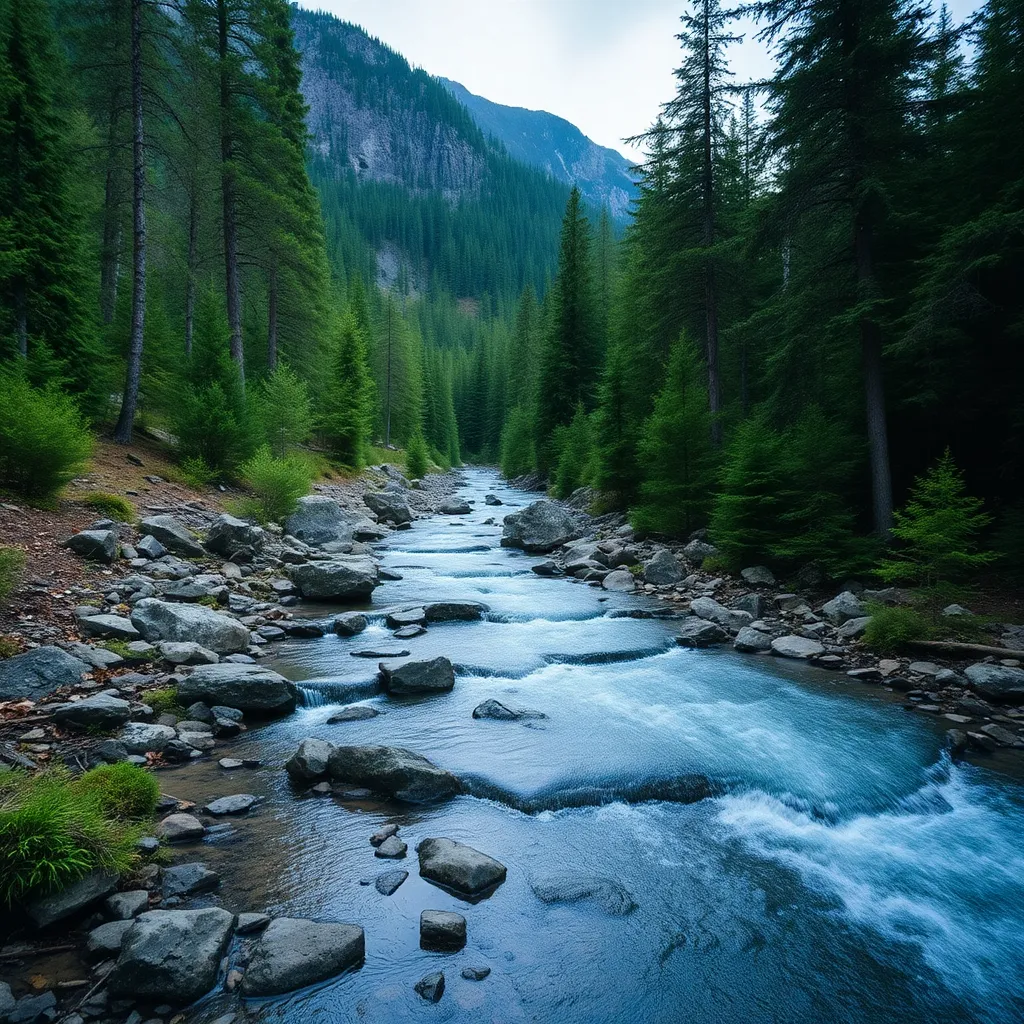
793 846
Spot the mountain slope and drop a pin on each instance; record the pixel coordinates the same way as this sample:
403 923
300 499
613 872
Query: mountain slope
556 146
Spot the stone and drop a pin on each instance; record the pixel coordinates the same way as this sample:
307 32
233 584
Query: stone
459 868
997 683
142 738
888 595
697 632
797 647
187 653
303 630
956 609
252 689
106 940
238 803
123 906
503 713
39 672
72 899
149 547
180 828
699 550
96 545
454 507
95 657
1002 735
605 893
188 879
340 578
540 527
356 713
454 611
172 955
388 883
758 576
310 762
384 832
408 632
924 668
475 973
291 954
854 629
349 623
843 607
320 520
39 1009
250 924
417 677
752 641
708 608
405 617
100 711
390 506
107 627
492 499
229 534
546 568
231 763
442 930
160 620
620 580
391 849
398 772
381 652
173 535
430 987
753 604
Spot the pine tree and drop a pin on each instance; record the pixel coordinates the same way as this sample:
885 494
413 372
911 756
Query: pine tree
346 402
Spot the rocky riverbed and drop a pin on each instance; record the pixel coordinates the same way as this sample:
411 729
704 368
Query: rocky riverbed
544 803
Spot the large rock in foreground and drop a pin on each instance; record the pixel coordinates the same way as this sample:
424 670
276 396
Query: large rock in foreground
460 868
39 672
1000 683
179 623
253 689
395 771
342 578
417 677
292 954
172 955
321 520
173 535
542 527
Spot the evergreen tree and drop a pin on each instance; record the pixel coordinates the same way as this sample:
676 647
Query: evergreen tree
346 402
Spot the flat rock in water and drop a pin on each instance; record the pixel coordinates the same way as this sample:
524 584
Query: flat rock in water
39 672
180 828
238 803
405 617
292 953
408 632
797 647
188 879
381 652
442 930
356 713
454 611
602 892
540 527
341 578
417 677
349 623
388 883
459 868
502 713
395 771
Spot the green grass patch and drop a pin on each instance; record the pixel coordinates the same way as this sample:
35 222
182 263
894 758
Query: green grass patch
9 647
12 561
123 790
113 506
164 701
120 648
890 629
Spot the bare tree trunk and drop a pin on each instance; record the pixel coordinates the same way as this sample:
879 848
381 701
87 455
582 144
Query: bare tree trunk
232 286
110 256
272 322
129 401
190 278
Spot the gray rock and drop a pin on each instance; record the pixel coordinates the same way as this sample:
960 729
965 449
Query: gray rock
39 672
356 713
697 632
100 711
388 883
39 1009
187 653
396 771
292 954
663 569
320 520
998 683
454 507
250 924
459 868
183 623
752 641
843 607
349 623
106 941
475 973
454 611
149 547
620 580
107 627
391 506
492 499
310 762
409 632
955 609
405 617
173 535
430 987
172 955
6 1000
123 906
381 652
188 879
547 568
96 545
238 803
252 689
79 895
180 828
758 576
341 578
417 677
502 713
797 647
605 893
888 595
541 527
95 657
442 930
228 535
698 550
391 849
753 604
141 737
708 608
852 629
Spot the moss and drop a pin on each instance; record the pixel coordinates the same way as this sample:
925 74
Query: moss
9 647
120 648
164 701
113 506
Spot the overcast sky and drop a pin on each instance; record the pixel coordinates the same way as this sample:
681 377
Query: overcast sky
604 65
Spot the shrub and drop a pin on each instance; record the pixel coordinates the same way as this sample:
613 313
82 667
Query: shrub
518 450
51 835
196 473
417 458
277 485
890 629
113 506
281 410
44 441
123 790
12 561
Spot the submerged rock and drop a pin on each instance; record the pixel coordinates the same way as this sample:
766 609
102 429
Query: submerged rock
503 713
430 987
395 771
388 883
605 893
458 867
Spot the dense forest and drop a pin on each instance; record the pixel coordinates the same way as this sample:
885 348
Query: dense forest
816 298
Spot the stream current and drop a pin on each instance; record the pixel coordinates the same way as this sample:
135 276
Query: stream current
764 841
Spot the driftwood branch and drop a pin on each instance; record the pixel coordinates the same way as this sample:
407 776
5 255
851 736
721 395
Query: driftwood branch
967 650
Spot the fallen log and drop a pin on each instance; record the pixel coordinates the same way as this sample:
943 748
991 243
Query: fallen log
966 650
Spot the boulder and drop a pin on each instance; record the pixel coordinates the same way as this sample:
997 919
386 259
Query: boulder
697 632
252 689
415 677
310 762
389 882
229 534
697 550
188 880
96 545
349 623
754 604
39 672
541 527
398 772
843 607
405 617
605 893
107 627
78 896
182 623
142 737
391 849
356 713
797 647
341 578
708 608
620 580
752 641
430 987
187 653
171 955
492 499
998 683
391 506
149 547
292 953
758 576
455 507
96 657
123 906
320 520
100 711
180 828
851 629
454 611
174 536
459 868
442 930
502 713
663 569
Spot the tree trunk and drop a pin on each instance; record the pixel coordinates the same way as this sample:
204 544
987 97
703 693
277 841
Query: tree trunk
129 401
272 322
190 278
710 298
110 256
232 287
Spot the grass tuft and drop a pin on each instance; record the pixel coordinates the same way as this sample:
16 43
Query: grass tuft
12 561
113 506
123 790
